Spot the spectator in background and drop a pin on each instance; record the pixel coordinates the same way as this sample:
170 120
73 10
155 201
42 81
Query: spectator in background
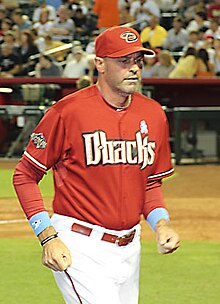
194 40
204 67
46 67
143 10
73 5
213 10
21 21
107 13
186 67
44 25
83 82
77 64
178 6
9 39
80 21
169 5
6 25
63 27
3 15
50 44
124 13
208 45
90 47
42 5
9 5
9 62
198 23
216 59
164 66
147 69
214 30
177 36
26 49
193 7
54 3
39 41
154 35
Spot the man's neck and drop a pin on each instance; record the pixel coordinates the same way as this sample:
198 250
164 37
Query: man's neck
115 100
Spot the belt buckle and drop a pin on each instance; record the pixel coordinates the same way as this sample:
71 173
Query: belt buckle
120 240
117 240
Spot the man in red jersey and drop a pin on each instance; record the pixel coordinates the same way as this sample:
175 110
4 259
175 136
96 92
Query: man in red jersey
213 10
108 147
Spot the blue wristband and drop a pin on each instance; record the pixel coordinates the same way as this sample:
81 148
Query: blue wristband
156 215
39 222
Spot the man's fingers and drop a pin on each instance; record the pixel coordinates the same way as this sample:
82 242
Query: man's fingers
64 262
57 264
56 255
168 246
51 264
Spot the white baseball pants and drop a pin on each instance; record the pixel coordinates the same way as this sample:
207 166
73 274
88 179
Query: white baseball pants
101 272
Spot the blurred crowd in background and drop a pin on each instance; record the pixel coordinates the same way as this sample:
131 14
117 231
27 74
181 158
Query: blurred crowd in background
55 38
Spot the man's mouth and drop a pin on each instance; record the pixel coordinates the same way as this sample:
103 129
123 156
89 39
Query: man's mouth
132 79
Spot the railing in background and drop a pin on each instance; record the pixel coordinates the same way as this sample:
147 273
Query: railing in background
170 93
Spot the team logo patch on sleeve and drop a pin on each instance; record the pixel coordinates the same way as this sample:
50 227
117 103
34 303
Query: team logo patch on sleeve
39 140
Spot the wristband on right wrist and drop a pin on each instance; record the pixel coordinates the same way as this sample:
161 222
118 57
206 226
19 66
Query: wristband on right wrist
49 238
155 215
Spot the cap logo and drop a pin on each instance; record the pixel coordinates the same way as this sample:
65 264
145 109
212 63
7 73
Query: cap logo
129 36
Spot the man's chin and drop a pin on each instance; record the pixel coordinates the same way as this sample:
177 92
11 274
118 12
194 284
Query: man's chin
132 87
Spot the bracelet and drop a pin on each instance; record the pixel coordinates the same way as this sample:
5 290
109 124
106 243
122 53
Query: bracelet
53 236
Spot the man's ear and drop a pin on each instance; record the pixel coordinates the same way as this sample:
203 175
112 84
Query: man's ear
100 64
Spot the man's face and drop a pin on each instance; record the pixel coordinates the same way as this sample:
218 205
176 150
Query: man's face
78 56
123 74
177 24
193 37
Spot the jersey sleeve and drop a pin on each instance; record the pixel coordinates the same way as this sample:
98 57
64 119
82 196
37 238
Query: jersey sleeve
47 141
162 166
153 197
25 180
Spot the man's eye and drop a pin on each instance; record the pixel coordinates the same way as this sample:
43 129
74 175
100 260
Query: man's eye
139 60
128 61
125 61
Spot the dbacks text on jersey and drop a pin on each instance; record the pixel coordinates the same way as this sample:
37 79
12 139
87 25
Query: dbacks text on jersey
101 151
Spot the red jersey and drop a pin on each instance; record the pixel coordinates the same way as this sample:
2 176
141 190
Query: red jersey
213 11
102 159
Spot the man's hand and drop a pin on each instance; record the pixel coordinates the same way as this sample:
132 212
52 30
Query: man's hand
167 239
55 254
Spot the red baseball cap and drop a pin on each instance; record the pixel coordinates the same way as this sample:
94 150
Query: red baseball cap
119 41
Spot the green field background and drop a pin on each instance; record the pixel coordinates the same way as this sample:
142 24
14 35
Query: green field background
189 276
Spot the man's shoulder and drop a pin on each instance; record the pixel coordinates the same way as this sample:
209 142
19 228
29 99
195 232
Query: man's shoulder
144 100
75 100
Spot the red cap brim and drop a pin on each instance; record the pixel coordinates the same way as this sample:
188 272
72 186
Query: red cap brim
131 50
